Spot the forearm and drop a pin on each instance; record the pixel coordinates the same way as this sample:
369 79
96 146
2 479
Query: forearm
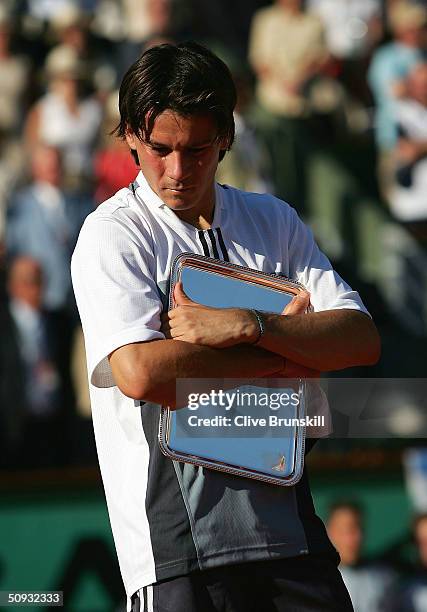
149 370
325 341
321 341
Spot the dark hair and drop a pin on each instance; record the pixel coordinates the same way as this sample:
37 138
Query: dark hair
187 79
349 505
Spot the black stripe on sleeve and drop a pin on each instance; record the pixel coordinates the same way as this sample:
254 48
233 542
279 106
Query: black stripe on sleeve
222 245
204 243
213 241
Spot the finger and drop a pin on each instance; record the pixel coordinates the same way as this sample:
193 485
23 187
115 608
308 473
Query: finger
179 296
298 304
171 332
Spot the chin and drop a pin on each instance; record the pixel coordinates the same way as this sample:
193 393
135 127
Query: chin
177 203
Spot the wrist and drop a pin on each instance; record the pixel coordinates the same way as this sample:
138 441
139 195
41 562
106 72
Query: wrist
258 317
249 330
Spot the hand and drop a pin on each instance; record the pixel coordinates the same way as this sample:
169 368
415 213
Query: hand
298 305
203 325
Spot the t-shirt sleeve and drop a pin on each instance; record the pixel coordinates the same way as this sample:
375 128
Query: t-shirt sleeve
311 267
113 278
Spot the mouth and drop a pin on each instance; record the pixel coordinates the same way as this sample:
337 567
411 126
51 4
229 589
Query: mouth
178 189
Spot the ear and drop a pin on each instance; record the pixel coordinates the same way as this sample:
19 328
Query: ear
224 144
131 139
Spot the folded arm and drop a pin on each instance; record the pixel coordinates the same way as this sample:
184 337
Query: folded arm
149 370
204 342
322 341
325 341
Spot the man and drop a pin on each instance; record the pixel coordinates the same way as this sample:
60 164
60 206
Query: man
42 215
411 594
172 520
34 379
287 51
353 29
368 582
390 64
407 198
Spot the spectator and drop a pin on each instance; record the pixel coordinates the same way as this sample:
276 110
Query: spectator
353 29
43 221
71 28
366 582
63 118
33 372
287 51
390 64
408 200
412 595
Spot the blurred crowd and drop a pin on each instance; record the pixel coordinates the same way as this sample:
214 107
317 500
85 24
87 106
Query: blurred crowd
331 117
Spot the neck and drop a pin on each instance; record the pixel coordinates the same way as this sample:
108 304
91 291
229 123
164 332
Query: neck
200 221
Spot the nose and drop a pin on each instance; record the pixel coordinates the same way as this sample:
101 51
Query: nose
177 168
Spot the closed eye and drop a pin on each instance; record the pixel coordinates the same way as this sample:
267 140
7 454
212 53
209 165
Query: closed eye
195 151
160 151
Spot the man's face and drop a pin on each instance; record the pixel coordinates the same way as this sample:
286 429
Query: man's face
25 282
421 540
46 165
345 531
179 162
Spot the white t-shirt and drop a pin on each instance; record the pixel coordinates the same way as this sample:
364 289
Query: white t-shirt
120 268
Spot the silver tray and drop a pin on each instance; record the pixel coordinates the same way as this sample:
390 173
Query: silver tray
272 453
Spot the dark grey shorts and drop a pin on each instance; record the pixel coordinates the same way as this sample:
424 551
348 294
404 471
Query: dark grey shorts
300 584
